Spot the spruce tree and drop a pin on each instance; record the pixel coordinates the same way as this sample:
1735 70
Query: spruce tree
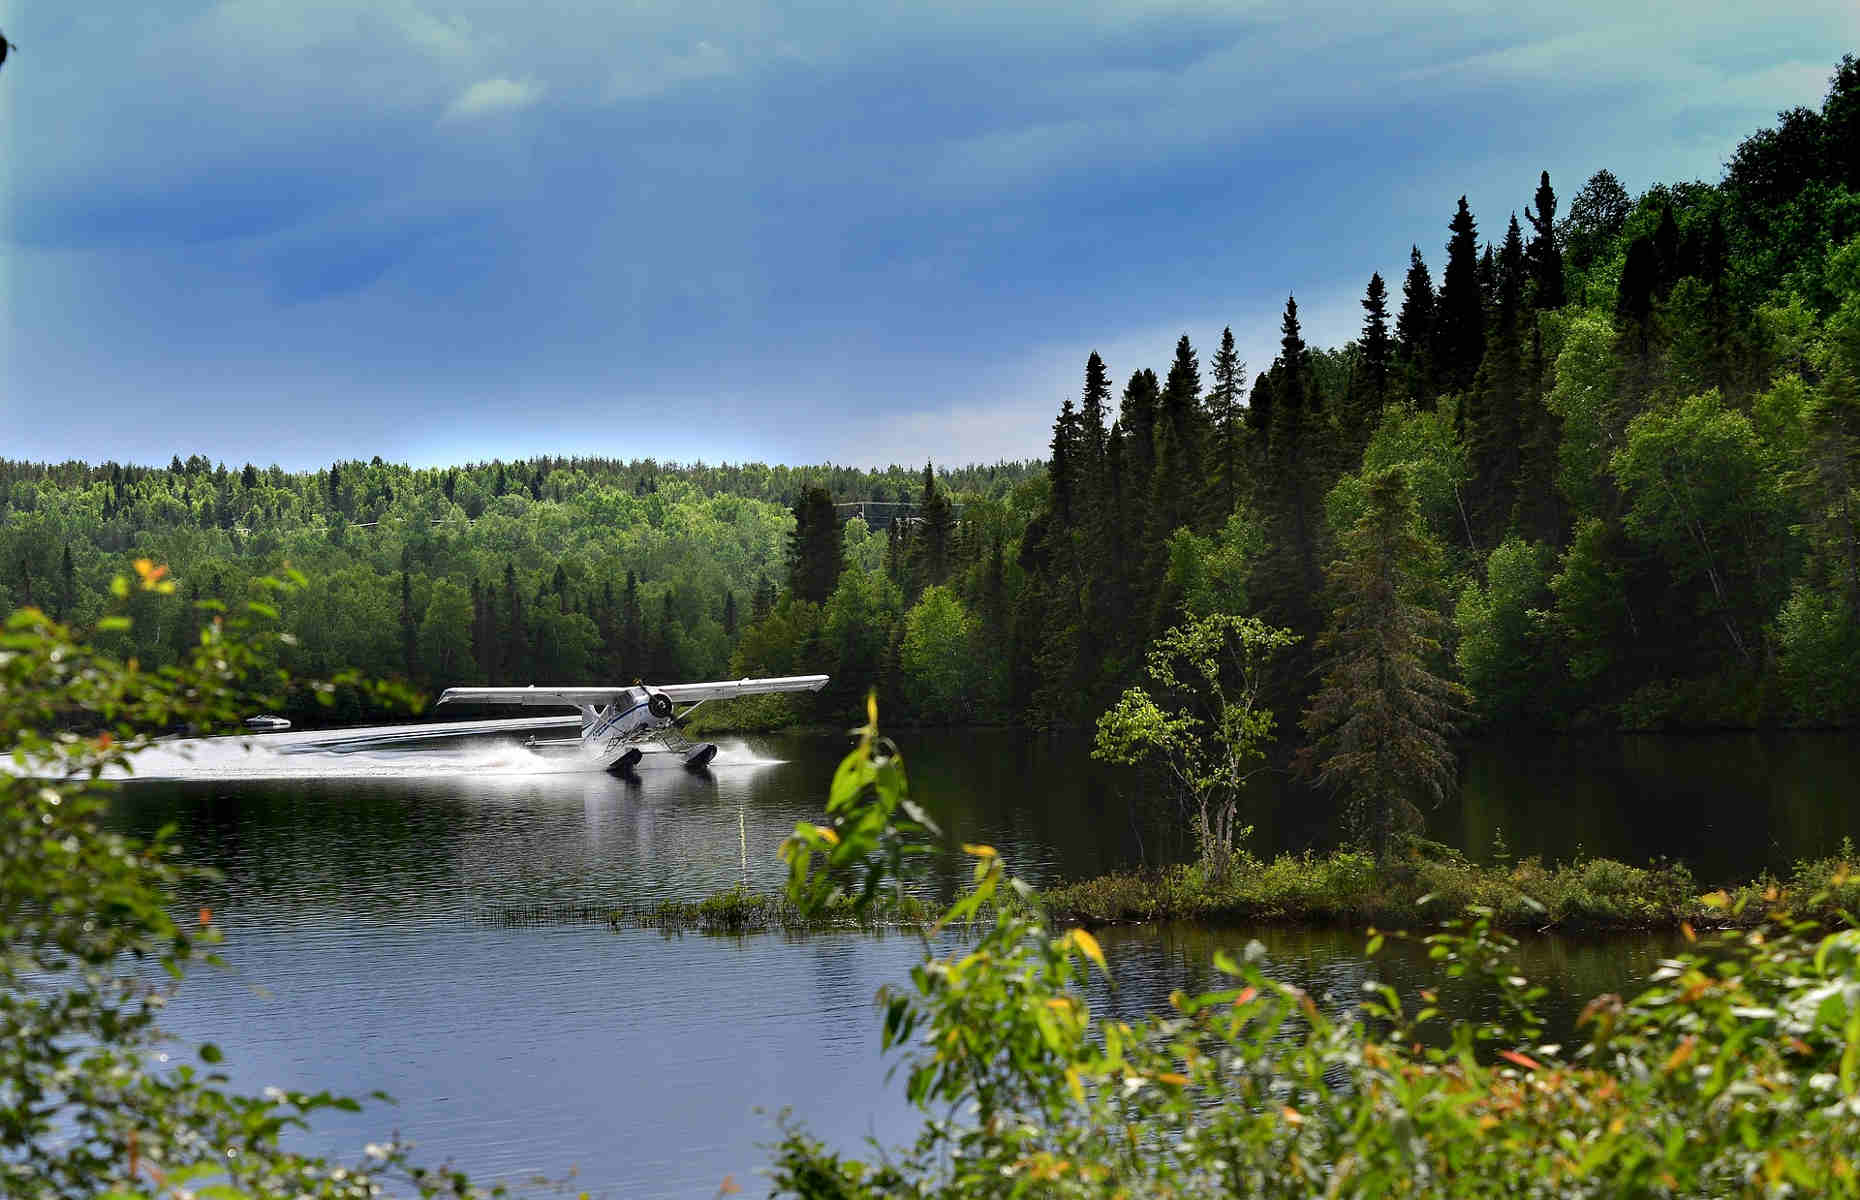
515 651
1094 429
1224 418
1181 408
1369 376
67 586
729 615
1289 574
1666 253
815 547
480 639
1382 718
1063 467
1492 412
931 540
1541 513
409 626
633 627
1138 417
663 653
1459 341
1414 332
1636 340
1546 256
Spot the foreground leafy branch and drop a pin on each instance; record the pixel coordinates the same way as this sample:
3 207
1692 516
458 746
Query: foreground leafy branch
86 1109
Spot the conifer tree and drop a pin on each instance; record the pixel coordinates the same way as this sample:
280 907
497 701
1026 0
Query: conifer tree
815 547
1459 341
1112 591
1289 573
1541 513
1492 412
633 626
1181 408
1546 256
607 623
515 651
1369 376
663 653
1138 417
1666 253
1224 409
67 585
1636 341
1063 466
1488 279
729 615
483 637
1414 332
409 626
931 540
1094 428
1382 717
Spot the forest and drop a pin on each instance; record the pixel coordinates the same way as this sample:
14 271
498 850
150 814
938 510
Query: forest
1628 426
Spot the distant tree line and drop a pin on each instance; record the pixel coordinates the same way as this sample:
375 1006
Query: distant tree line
504 572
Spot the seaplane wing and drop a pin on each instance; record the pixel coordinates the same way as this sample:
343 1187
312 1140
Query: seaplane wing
615 719
385 736
599 695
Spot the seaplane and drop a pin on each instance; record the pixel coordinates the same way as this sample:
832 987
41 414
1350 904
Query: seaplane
620 725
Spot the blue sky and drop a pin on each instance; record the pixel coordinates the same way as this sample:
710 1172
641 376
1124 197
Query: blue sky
284 231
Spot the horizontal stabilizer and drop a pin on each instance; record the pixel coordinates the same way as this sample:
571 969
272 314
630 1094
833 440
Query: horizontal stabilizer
575 695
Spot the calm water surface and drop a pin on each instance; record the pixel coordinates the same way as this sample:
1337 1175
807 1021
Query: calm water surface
355 901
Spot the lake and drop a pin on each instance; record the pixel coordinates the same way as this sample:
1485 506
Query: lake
361 894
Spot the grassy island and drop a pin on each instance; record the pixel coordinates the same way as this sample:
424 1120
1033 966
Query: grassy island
1353 888
1344 888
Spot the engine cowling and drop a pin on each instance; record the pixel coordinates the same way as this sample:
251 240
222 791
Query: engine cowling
659 705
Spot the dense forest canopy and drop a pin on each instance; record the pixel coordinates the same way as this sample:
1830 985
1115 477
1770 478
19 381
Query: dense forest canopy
1629 426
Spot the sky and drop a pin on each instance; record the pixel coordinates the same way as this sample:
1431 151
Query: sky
292 232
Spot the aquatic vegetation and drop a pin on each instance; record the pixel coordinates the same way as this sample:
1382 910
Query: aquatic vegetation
1348 887
739 910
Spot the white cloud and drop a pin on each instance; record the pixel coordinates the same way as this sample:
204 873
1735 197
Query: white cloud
494 96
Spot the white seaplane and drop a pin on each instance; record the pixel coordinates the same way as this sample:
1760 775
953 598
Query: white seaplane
618 722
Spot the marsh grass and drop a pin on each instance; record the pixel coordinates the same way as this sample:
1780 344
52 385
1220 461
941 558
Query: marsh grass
739 910
1350 888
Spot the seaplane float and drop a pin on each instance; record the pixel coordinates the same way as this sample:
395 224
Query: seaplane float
620 725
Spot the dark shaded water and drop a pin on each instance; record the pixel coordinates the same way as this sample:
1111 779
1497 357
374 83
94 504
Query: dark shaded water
355 897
